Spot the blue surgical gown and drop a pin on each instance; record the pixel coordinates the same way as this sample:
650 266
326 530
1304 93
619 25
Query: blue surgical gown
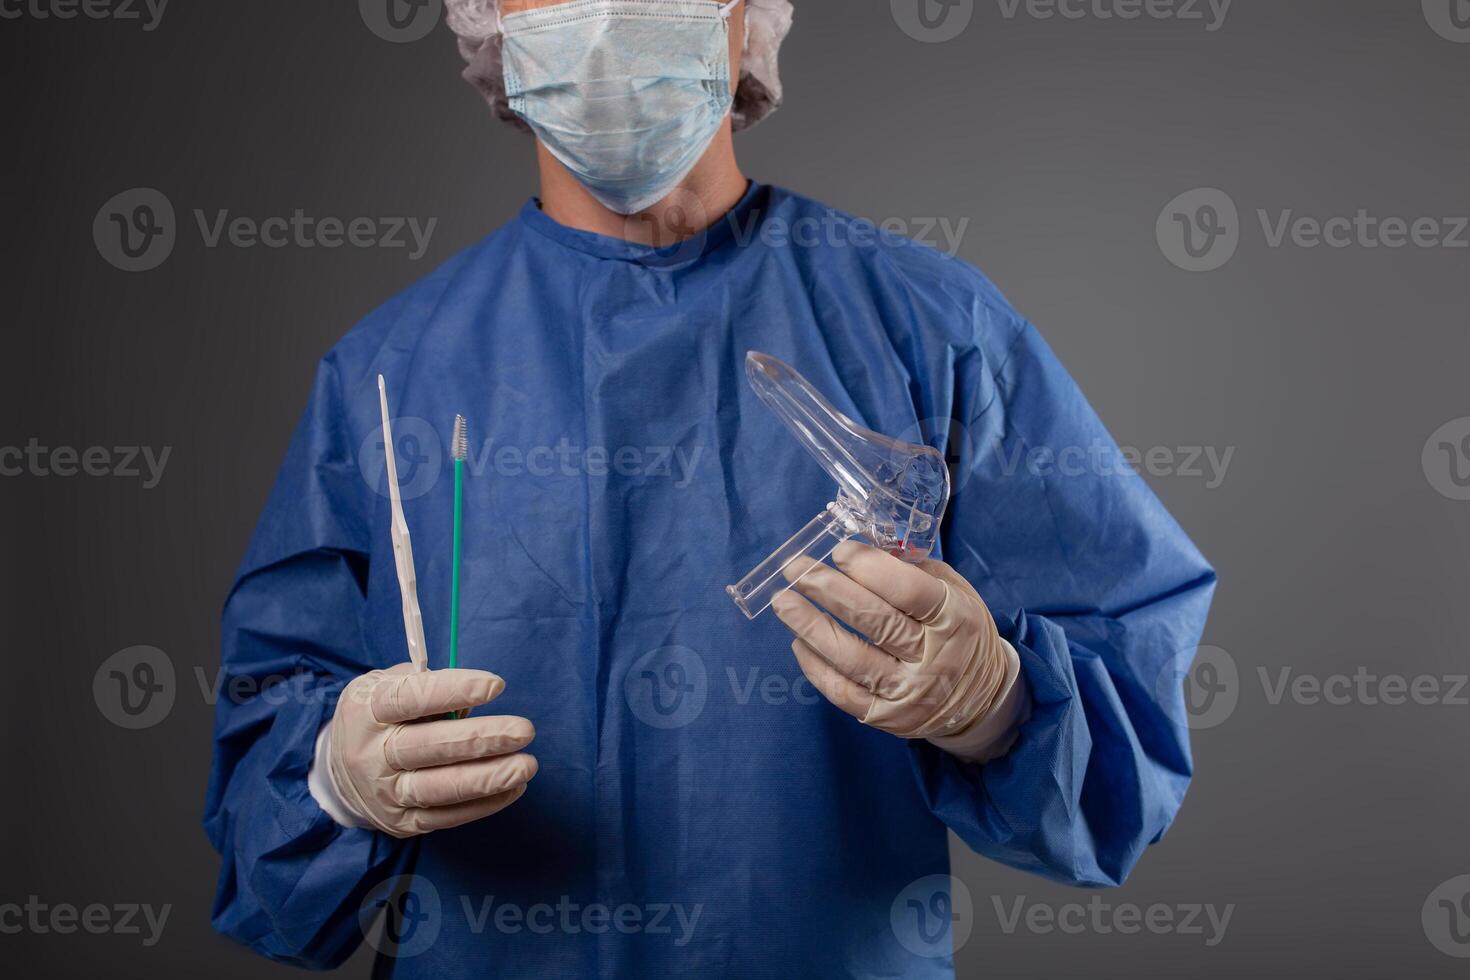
621 474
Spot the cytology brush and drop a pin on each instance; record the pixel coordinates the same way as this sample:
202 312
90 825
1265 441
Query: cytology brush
461 449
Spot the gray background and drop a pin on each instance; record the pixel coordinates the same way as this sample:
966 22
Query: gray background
1327 827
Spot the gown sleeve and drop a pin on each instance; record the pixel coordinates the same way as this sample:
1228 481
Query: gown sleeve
291 879
1104 599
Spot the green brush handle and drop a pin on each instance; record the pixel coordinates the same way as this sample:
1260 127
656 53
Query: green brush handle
454 594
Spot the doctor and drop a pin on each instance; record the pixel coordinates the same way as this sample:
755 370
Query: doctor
648 784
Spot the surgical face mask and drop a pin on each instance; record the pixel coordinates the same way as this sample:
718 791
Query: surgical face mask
628 94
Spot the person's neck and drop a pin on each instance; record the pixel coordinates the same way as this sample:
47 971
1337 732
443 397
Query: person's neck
712 189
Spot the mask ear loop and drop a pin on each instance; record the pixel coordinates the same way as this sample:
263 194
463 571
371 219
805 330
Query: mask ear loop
725 12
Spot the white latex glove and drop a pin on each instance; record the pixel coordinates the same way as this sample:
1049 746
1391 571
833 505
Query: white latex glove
396 763
933 666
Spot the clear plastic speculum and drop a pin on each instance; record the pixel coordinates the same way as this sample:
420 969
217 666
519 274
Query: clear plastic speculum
892 493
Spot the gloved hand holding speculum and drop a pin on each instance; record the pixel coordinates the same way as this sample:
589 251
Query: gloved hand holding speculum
934 666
